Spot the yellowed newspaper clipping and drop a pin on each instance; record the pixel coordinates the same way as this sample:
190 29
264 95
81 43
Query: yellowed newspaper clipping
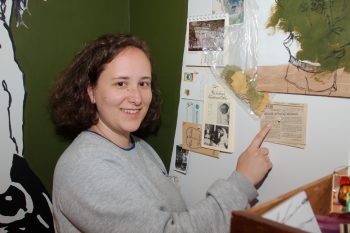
288 122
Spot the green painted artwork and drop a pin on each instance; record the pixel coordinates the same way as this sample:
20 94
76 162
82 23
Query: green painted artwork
320 26
320 31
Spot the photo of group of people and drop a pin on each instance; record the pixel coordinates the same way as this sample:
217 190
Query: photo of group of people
206 34
216 136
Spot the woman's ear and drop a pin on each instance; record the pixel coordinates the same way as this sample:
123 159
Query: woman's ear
90 91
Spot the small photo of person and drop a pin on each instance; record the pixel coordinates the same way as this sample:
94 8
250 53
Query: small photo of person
219 137
223 116
181 160
208 134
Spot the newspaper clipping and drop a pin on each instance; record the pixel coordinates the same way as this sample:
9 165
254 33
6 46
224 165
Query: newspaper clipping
217 127
288 122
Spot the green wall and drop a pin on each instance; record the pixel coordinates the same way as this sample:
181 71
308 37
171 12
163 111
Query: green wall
58 29
163 25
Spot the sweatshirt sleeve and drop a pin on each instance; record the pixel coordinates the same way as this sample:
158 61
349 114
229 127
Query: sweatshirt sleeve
104 197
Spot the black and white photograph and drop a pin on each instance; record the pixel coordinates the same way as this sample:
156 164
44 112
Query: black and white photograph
181 160
216 136
223 116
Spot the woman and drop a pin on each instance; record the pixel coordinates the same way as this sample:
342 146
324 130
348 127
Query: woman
223 137
223 114
109 180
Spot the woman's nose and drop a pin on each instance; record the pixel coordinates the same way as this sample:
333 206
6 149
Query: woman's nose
134 95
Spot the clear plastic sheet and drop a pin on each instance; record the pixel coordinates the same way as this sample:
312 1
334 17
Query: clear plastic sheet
238 74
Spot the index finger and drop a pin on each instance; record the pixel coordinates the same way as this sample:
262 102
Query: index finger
259 138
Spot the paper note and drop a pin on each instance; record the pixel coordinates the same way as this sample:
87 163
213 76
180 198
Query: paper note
288 122
192 85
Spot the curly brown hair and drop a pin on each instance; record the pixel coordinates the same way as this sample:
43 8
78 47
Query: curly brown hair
72 110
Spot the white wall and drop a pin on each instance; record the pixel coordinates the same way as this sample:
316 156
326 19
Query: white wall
328 138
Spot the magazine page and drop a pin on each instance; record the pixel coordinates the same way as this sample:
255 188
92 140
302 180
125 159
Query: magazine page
218 119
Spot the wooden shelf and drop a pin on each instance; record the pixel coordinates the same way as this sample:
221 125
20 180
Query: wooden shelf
318 193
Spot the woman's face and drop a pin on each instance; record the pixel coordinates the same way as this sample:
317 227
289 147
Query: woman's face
123 92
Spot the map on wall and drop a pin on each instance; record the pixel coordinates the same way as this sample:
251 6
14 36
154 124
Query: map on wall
313 37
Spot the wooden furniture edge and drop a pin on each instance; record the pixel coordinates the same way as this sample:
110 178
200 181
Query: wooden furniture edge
243 222
322 186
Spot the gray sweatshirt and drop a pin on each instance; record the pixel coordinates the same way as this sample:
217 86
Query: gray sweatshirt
99 187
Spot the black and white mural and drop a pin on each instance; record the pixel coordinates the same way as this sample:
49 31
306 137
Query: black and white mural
25 206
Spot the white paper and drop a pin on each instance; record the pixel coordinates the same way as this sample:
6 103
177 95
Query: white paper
296 212
218 119
192 85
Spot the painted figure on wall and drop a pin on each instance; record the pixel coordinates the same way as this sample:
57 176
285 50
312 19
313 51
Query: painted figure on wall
321 64
24 203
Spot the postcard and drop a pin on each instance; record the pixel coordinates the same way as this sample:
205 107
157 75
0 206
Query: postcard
205 40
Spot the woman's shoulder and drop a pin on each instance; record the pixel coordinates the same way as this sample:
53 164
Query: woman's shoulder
87 141
87 152
85 147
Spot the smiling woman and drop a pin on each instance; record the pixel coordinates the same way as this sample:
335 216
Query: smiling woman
109 180
124 90
73 100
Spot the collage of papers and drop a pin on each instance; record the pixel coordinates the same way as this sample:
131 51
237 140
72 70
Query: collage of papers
208 126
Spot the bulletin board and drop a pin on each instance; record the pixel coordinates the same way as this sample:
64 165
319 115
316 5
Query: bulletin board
327 142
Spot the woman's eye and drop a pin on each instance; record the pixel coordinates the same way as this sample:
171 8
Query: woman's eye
120 84
145 84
